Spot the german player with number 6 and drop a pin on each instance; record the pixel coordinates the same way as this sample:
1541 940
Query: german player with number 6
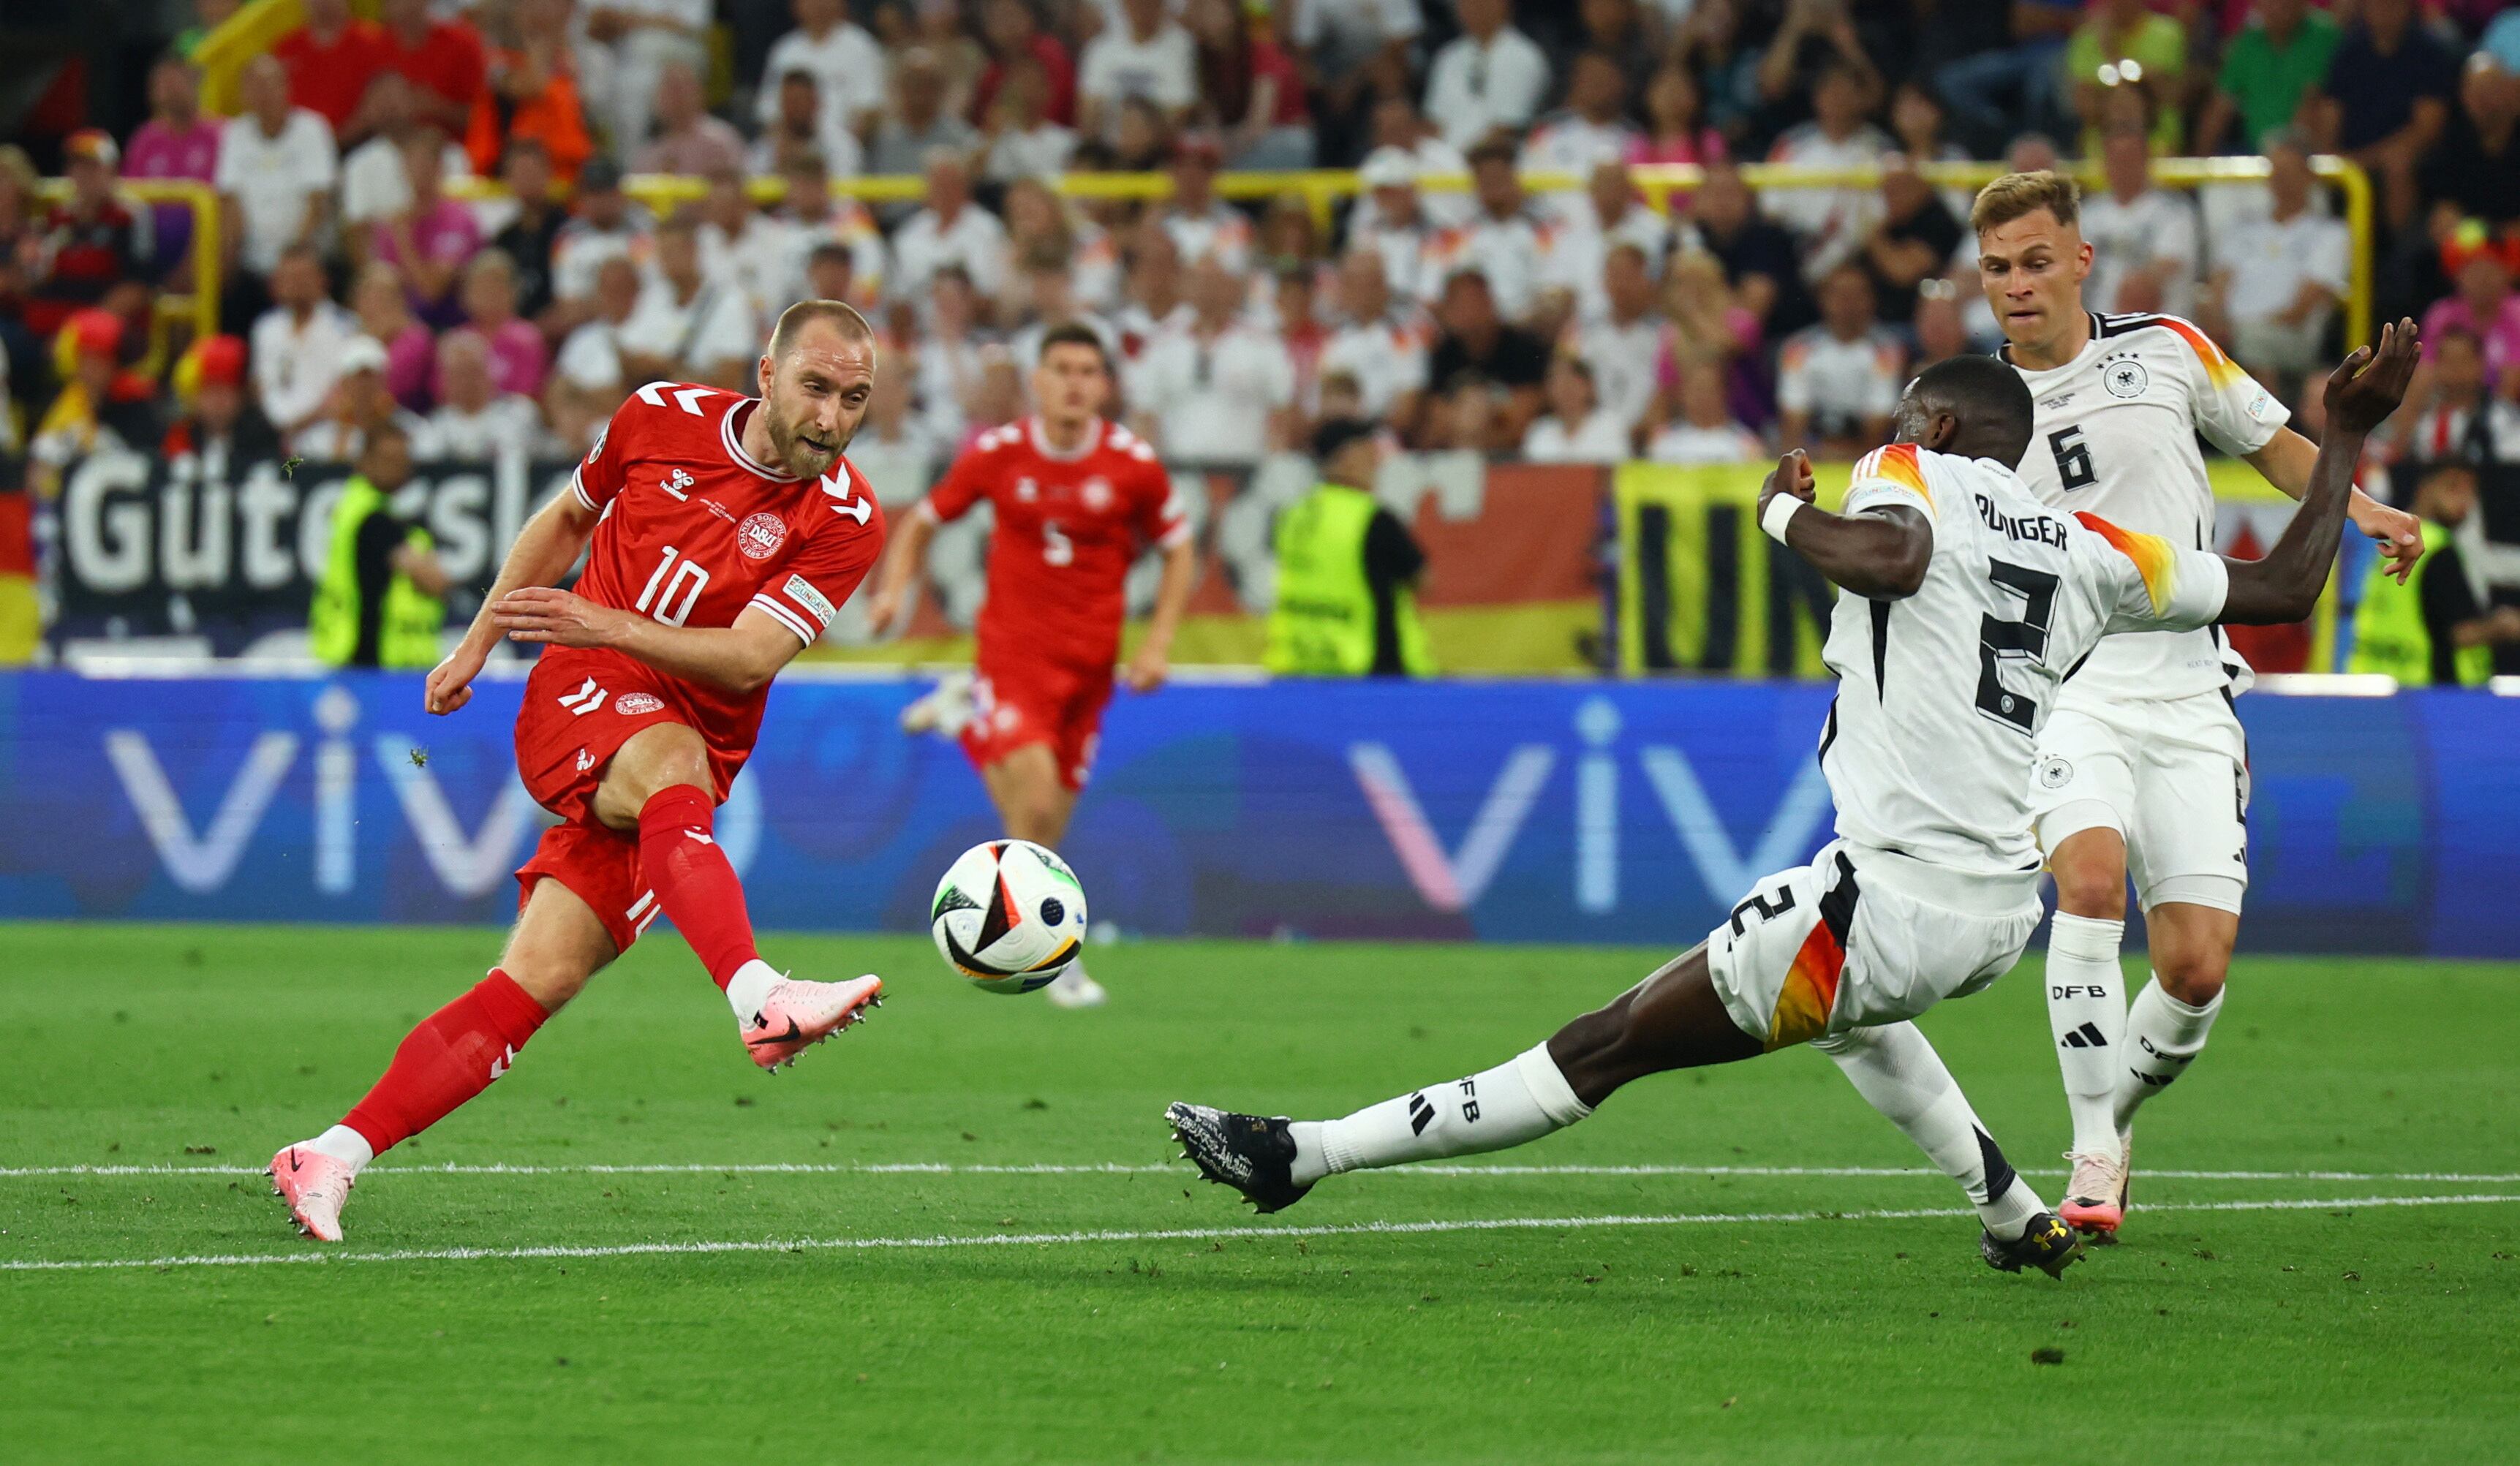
720 532
2144 770
1075 498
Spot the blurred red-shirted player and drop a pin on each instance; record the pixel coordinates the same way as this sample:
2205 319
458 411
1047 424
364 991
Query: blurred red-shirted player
1076 498
720 533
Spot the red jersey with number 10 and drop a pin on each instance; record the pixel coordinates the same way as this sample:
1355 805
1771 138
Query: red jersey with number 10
695 533
1068 526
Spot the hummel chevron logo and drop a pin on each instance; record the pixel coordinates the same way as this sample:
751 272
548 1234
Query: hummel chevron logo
694 834
793 1032
687 398
499 1066
2088 1035
586 699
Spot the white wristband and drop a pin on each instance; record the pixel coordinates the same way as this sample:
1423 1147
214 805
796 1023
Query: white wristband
1780 513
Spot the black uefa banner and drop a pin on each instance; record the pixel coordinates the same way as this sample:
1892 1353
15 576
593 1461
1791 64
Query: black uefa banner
195 545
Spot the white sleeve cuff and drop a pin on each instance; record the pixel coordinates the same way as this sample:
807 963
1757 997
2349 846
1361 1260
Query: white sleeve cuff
787 618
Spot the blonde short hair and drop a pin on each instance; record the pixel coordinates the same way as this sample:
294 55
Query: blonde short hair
2016 195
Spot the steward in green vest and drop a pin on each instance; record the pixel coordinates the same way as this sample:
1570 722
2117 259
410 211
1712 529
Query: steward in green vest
2431 630
1347 573
377 605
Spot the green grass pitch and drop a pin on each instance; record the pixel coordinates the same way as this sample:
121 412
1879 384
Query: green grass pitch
2278 1298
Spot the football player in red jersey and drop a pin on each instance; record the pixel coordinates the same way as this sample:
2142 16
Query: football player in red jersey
719 532
1076 498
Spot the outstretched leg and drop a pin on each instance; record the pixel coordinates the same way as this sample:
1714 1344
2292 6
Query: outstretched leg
657 789
1899 1074
453 1055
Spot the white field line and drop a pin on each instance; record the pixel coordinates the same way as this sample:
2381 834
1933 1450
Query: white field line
1174 1234
1112 1167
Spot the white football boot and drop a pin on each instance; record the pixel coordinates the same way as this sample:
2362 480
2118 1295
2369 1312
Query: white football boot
1074 989
945 711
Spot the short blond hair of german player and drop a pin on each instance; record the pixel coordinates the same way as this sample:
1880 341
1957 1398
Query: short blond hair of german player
2016 195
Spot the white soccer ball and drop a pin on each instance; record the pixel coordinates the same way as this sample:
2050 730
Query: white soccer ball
1008 915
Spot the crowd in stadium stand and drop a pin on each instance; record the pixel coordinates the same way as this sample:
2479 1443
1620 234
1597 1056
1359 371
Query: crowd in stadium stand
424 218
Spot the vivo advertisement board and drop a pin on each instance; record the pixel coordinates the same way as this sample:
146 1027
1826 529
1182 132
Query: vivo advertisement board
1525 812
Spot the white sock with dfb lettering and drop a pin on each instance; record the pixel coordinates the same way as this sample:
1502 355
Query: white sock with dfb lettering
2163 1036
2087 1015
1899 1074
1516 1102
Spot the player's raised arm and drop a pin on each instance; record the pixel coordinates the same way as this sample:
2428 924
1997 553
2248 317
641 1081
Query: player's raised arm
548 544
2361 396
1880 552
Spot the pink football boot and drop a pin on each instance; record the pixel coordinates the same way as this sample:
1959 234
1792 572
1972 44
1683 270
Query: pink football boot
315 1185
798 1014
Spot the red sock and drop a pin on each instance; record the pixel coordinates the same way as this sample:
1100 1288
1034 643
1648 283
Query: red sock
692 880
452 1057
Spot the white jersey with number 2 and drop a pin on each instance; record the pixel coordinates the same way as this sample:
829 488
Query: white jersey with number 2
2115 435
1928 744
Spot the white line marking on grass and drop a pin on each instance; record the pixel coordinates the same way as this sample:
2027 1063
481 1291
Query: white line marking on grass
1112 1168
1171 1234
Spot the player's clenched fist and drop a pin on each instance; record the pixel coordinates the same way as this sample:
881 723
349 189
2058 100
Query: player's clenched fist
450 682
537 613
1793 477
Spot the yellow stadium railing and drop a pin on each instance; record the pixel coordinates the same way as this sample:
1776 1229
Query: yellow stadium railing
201 306
1322 188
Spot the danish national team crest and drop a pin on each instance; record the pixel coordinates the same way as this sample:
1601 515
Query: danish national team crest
1098 493
635 703
761 535
2125 378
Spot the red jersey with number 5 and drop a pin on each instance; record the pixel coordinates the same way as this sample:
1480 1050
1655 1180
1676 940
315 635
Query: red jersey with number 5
1068 526
695 533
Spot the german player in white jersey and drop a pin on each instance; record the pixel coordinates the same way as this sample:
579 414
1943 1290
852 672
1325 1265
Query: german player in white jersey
2143 769
1966 603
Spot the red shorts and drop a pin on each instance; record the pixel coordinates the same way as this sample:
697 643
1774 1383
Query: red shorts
600 867
1039 702
580 706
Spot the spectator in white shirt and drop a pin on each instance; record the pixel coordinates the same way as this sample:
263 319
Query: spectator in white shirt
688 327
627 48
809 218
1215 387
802 124
589 377
1591 129
2276 281
1510 240
1203 225
1623 346
845 64
276 170
1832 222
1837 383
689 139
1048 287
1153 302
1706 432
2144 239
954 356
358 403
1389 220
1021 142
297 343
1489 76
1379 344
1148 57
1605 217
1576 429
921 123
374 185
740 247
951 230
602 225
1399 125
894 451
475 422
